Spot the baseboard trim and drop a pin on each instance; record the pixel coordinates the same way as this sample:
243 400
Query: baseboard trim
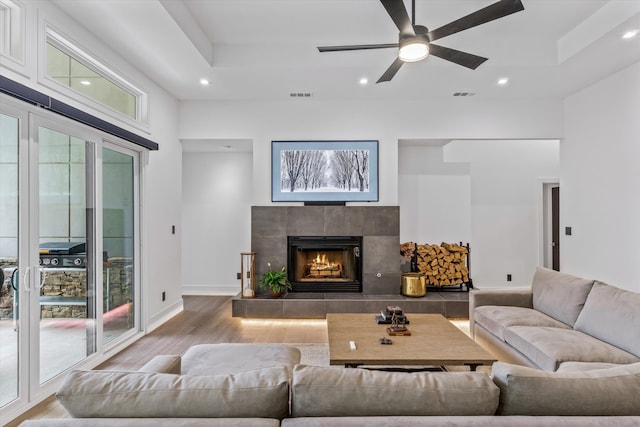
164 315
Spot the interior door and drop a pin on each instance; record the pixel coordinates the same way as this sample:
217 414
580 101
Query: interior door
555 228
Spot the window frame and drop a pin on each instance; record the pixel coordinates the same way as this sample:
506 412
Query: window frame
81 55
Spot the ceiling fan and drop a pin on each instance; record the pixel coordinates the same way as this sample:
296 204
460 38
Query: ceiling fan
415 41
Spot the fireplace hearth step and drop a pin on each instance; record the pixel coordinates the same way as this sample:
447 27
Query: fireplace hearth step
312 305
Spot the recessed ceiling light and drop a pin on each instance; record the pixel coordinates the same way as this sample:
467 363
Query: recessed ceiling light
503 81
204 82
363 81
85 82
630 34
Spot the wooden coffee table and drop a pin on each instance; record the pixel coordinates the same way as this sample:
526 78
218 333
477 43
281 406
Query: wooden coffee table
434 341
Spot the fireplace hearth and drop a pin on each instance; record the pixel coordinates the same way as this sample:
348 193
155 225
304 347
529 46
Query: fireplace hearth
325 263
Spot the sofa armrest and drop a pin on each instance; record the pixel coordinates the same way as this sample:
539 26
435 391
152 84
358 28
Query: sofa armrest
163 364
515 297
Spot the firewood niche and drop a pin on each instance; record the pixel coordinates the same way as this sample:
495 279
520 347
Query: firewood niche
446 266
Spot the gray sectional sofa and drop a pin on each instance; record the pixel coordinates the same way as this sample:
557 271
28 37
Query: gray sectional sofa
587 375
562 323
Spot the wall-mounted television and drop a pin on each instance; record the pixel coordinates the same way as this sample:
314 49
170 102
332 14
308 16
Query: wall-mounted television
324 171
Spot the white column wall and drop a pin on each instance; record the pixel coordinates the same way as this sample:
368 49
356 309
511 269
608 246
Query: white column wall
599 181
216 204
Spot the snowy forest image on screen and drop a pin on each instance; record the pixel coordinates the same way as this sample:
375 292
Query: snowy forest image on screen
324 170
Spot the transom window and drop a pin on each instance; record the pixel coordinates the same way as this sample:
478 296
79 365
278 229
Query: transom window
71 67
12 29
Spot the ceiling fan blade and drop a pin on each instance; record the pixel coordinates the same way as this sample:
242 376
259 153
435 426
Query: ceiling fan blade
391 71
397 12
494 11
356 47
461 58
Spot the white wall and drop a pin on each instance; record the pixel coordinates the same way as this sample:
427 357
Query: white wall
599 180
216 221
434 196
486 193
387 122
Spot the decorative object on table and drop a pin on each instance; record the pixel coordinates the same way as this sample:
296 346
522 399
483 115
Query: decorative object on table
386 341
386 315
276 281
398 325
247 274
324 171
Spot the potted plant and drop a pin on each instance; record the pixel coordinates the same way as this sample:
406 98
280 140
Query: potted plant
275 281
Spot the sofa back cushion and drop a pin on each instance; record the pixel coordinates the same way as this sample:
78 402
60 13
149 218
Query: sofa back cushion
263 393
612 315
341 392
528 391
559 295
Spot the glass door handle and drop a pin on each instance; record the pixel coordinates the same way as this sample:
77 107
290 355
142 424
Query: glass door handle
27 287
43 277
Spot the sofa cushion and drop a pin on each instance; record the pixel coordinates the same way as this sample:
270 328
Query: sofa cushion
612 315
585 366
262 393
548 347
461 421
153 422
165 364
559 295
336 392
496 318
217 359
528 391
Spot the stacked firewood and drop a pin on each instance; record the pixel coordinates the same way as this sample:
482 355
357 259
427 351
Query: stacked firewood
443 264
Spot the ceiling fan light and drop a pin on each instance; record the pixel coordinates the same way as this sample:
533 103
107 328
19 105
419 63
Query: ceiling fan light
413 51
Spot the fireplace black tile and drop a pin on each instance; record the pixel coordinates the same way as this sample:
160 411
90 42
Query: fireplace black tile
265 308
271 249
457 309
268 221
343 221
305 295
382 221
346 306
344 296
384 285
381 254
305 221
304 309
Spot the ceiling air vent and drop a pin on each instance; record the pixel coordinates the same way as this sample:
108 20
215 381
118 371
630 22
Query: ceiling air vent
300 95
464 94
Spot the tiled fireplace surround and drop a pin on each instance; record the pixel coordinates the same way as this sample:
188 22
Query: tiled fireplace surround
379 227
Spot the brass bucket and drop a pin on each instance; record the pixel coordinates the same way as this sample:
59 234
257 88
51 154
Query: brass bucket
414 284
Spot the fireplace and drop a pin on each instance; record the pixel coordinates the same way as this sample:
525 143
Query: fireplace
325 263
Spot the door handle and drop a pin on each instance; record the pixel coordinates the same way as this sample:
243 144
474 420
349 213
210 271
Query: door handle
43 277
25 281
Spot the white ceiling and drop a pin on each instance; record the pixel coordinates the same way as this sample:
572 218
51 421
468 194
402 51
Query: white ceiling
265 50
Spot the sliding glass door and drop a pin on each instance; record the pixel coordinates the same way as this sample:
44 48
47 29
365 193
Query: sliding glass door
69 252
119 244
9 257
65 295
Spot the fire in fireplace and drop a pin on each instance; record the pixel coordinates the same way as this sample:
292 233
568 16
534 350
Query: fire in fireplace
325 263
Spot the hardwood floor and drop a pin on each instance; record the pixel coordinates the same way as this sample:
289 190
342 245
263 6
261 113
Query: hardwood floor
205 319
